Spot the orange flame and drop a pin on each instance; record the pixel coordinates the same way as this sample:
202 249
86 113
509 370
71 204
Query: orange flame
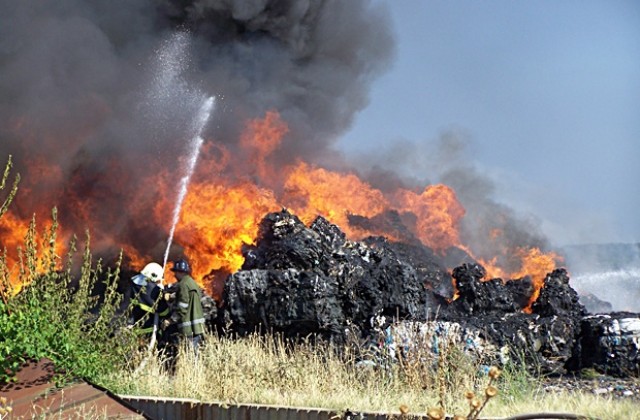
261 138
311 191
13 232
438 215
217 220
226 201
537 265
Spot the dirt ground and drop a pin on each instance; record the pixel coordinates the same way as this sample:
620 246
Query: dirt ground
618 388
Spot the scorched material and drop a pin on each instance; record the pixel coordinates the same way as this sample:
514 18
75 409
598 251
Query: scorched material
301 281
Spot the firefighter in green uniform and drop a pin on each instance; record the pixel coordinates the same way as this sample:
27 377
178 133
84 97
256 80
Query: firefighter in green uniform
188 313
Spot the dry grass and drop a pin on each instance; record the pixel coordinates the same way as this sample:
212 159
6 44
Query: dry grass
265 370
44 410
589 405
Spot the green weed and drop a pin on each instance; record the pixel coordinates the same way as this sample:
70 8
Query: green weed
56 313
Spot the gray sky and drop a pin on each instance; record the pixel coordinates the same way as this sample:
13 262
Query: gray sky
546 95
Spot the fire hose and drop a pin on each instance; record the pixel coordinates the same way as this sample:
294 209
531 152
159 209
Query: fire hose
549 416
150 347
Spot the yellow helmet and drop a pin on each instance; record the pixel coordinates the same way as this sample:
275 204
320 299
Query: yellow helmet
153 271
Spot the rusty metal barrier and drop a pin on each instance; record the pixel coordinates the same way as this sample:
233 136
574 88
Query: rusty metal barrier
185 408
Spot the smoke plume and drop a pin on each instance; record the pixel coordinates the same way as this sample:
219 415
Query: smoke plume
106 89
98 105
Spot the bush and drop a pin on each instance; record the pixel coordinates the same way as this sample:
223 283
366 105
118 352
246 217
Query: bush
48 312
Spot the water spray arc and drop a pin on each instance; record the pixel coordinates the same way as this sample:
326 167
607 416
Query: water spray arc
195 145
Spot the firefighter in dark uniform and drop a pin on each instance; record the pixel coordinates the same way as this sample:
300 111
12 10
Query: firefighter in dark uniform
146 297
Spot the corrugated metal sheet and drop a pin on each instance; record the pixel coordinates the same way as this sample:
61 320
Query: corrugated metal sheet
182 408
35 395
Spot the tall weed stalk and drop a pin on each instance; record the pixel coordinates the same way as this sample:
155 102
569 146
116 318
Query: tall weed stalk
69 318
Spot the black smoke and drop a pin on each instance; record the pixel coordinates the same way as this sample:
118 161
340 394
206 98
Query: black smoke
93 87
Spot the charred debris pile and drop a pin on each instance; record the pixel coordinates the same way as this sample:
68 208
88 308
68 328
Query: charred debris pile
300 281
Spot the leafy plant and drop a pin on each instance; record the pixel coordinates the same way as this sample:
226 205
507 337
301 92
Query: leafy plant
68 317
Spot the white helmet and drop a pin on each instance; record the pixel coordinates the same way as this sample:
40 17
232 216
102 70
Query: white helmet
153 271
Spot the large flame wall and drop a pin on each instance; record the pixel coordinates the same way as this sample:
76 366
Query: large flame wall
222 208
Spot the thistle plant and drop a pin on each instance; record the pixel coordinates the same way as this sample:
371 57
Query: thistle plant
476 403
436 413
5 408
490 391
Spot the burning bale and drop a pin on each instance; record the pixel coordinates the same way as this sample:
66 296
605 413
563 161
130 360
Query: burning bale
476 296
546 336
300 280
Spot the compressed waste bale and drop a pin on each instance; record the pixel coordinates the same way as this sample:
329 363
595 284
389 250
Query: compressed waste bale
476 296
610 344
290 302
362 279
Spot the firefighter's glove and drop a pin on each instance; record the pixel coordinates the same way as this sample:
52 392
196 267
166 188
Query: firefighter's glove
166 323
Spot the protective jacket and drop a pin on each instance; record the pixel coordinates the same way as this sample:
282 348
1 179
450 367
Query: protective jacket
146 298
190 316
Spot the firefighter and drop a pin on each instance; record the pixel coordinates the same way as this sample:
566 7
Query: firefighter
187 311
148 306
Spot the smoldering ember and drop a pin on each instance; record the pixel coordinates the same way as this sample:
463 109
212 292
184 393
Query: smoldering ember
302 281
